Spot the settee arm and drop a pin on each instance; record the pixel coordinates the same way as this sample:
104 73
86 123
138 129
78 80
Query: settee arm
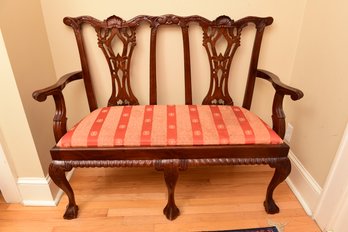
278 115
59 119
280 87
41 95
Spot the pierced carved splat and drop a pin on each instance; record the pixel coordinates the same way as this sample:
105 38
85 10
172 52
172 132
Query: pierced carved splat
221 40
119 62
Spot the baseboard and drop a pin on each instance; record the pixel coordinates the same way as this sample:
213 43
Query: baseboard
8 184
35 191
40 191
303 185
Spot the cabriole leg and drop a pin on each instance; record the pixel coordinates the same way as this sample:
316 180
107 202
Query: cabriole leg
282 170
171 169
171 175
57 174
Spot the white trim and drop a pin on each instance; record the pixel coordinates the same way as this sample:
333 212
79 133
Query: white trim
8 185
339 218
40 191
331 204
303 185
299 197
38 203
34 180
35 191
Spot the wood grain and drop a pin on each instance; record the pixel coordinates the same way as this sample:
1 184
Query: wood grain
132 199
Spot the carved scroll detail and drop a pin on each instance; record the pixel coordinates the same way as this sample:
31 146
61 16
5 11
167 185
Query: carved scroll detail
167 19
231 161
119 63
105 163
182 164
222 30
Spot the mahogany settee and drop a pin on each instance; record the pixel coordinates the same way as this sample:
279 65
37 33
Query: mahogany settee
169 138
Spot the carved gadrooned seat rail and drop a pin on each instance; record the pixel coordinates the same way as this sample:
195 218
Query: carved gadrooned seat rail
170 158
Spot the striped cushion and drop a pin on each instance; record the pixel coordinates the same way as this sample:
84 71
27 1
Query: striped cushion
162 125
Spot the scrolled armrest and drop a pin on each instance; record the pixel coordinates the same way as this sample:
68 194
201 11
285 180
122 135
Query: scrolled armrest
41 95
59 119
280 87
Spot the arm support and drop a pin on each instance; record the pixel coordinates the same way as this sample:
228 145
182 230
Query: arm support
278 115
59 120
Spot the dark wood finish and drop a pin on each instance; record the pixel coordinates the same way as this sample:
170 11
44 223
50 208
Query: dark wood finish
169 159
153 84
57 173
170 169
278 115
249 89
171 152
76 26
282 170
59 120
187 59
220 63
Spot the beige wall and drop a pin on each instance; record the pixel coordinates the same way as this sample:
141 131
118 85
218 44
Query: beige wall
27 47
320 70
15 136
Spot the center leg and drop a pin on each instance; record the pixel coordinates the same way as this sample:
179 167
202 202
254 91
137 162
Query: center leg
171 174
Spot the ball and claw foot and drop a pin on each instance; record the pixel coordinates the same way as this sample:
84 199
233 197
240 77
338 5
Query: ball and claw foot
282 171
171 212
71 212
271 207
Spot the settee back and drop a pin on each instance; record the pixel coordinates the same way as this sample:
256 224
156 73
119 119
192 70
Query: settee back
221 39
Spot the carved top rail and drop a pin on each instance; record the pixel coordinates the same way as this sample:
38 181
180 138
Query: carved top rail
221 29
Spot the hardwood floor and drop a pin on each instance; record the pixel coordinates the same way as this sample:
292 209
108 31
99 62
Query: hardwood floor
132 199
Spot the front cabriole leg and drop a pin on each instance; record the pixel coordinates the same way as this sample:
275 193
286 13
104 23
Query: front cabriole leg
282 170
57 173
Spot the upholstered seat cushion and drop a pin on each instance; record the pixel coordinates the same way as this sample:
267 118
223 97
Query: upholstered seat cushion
163 125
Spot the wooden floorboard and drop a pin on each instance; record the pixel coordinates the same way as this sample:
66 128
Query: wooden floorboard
132 199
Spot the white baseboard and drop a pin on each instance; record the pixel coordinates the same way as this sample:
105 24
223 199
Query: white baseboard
303 185
38 203
40 191
35 191
8 184
331 213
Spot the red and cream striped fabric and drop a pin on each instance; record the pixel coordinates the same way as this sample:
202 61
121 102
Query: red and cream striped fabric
162 125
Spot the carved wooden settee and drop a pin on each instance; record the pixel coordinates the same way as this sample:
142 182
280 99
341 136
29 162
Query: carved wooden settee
170 138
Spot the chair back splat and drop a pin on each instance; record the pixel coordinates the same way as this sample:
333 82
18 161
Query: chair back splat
221 30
